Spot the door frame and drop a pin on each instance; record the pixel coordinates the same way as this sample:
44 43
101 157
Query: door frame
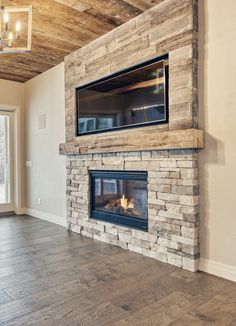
16 154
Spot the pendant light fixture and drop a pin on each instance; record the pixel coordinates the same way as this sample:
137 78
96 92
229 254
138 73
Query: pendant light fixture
15 29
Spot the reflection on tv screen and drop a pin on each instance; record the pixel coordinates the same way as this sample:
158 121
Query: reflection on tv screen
131 98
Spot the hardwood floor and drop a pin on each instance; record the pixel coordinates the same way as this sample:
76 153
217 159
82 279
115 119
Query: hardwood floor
49 276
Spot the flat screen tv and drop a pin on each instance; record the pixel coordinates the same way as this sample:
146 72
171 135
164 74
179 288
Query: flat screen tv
134 97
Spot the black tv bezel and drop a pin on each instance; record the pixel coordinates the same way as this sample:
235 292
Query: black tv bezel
117 74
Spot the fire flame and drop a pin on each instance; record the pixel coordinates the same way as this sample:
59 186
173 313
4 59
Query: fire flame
125 203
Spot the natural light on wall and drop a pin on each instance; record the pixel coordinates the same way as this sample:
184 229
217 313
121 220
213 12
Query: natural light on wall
4 160
15 29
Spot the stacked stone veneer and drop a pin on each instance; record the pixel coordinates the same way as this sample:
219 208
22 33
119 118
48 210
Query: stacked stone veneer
168 28
172 237
173 220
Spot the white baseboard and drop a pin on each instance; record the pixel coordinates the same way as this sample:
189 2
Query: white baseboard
218 269
46 217
20 211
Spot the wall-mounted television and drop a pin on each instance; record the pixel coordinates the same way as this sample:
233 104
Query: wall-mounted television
134 97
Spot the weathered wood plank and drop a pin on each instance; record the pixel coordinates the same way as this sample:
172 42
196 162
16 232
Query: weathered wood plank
61 27
4 298
104 285
137 141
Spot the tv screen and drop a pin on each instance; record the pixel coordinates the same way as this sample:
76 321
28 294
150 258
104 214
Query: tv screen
134 97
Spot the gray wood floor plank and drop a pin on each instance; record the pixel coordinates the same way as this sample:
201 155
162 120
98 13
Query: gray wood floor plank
49 276
4 298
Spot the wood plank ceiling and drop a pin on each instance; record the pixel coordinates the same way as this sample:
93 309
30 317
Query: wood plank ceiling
61 27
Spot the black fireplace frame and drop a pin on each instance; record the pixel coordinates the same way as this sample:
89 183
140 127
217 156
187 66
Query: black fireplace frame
133 222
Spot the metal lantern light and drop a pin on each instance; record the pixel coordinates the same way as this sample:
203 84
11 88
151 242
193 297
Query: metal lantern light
15 29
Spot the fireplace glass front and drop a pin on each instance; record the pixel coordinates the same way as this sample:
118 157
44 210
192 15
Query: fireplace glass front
120 198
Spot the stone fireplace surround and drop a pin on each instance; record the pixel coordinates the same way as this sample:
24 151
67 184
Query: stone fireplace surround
169 152
173 223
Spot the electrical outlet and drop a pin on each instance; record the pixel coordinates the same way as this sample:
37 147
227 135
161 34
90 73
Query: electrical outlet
39 201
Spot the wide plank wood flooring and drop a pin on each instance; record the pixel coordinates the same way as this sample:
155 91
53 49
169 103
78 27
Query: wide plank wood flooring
49 276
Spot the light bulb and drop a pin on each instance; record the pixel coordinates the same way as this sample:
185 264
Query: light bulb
10 36
18 27
6 18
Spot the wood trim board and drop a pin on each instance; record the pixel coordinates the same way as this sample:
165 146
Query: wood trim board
137 141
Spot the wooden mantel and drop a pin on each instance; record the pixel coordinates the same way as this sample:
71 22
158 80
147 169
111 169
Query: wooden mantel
137 141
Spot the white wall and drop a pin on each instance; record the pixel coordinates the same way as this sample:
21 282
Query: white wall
46 179
217 85
12 94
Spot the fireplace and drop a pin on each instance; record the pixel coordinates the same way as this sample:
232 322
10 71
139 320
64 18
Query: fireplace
120 197
126 84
